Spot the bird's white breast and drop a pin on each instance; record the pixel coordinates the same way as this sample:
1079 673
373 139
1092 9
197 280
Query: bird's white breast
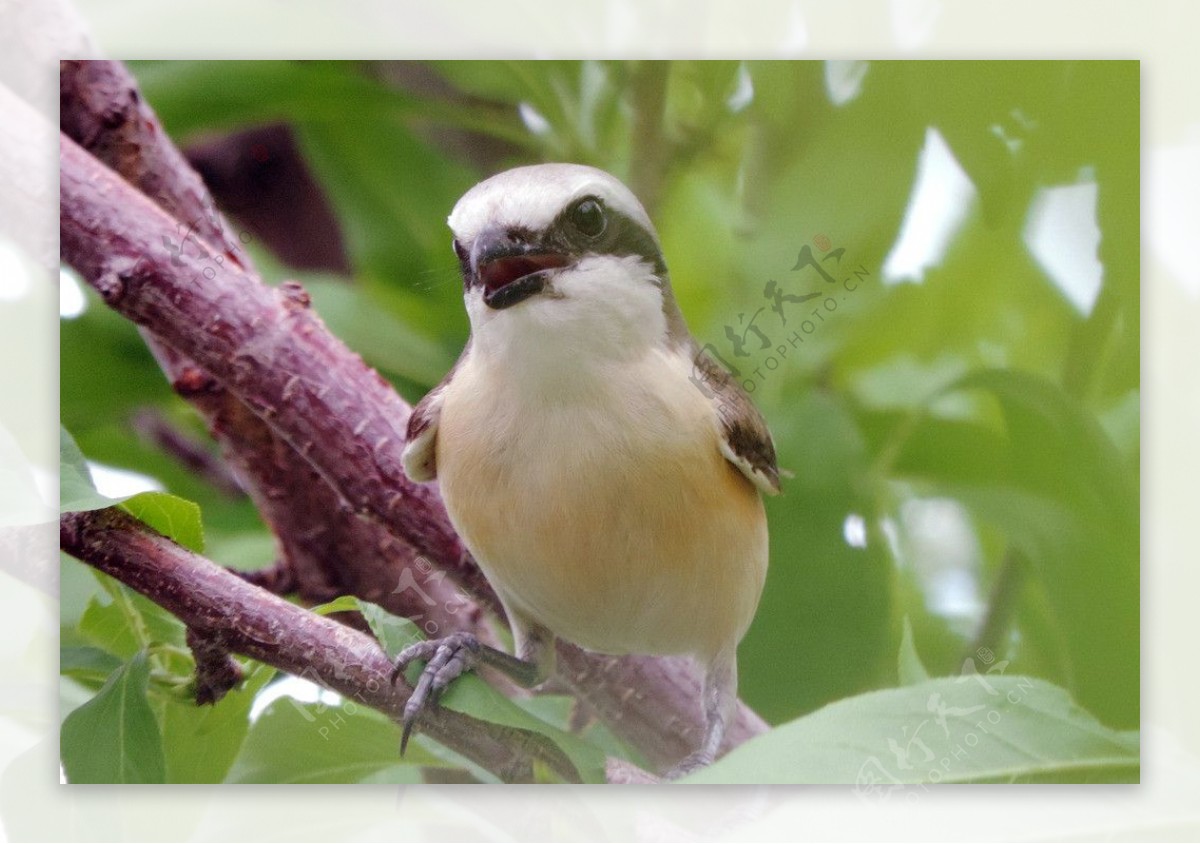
593 493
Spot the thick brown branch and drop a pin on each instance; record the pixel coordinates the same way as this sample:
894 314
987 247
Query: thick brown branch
262 344
229 614
101 109
326 548
330 550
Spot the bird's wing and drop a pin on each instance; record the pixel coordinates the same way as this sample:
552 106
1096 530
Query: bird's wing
420 448
744 438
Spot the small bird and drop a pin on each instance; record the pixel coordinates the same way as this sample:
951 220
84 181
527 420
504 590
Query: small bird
602 469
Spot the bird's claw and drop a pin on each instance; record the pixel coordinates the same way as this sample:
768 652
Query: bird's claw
689 765
445 659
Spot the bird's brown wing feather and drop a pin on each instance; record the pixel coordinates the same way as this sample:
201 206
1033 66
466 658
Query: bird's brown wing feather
745 440
420 449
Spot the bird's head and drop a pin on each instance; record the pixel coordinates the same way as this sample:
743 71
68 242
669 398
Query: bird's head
566 250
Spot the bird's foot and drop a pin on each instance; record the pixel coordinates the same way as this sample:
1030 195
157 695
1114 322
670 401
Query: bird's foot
445 659
690 764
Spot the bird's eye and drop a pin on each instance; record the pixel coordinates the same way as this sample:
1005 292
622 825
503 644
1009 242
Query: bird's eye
588 217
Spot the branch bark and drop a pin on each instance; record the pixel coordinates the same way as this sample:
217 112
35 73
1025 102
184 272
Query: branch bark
324 548
290 404
223 612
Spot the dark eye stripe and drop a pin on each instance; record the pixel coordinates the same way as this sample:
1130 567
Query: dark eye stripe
622 236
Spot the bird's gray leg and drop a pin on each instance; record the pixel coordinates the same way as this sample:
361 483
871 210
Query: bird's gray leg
720 699
448 657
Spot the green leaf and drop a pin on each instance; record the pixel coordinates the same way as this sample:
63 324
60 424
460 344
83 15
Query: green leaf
472 696
175 518
108 628
127 622
384 341
113 738
202 742
343 603
1069 501
1057 445
294 742
191 97
972 728
909 666
76 492
392 631
86 664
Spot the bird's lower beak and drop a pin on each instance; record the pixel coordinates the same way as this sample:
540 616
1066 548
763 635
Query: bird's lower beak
509 279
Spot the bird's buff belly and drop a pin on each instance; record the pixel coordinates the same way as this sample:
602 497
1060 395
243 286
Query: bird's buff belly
619 547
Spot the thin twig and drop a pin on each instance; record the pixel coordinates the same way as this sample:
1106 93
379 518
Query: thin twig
1002 603
153 427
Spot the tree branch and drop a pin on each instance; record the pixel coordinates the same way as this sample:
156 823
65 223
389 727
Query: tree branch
325 548
1002 602
223 612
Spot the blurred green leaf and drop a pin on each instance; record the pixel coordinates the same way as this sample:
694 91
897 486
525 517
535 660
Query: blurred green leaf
825 625
194 96
200 743
114 738
86 664
379 337
295 742
127 622
982 728
1076 517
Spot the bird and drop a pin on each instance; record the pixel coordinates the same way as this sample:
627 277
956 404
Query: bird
604 472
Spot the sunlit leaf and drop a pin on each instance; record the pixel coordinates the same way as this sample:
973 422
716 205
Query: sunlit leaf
978 727
174 517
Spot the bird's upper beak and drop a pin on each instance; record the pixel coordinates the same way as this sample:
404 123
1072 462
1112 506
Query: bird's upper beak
510 269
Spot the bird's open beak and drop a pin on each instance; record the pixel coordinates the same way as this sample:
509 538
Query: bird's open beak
511 271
